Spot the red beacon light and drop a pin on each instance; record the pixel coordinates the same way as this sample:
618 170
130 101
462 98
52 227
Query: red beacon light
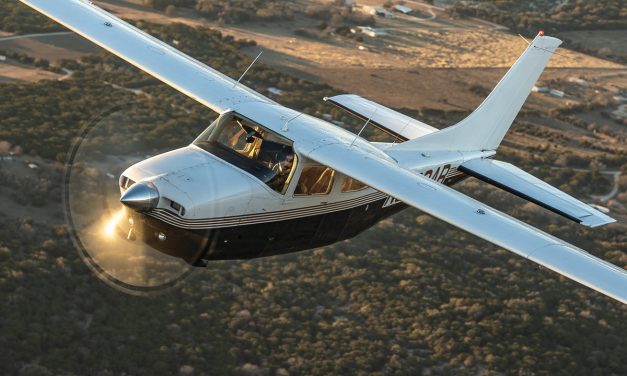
541 33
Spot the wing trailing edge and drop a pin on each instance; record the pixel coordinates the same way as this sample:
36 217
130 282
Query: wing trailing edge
516 181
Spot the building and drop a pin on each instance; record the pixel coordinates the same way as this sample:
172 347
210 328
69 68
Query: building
620 113
376 11
557 93
371 32
275 91
403 9
578 81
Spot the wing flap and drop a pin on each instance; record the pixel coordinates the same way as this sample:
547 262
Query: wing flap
187 75
527 186
472 216
386 119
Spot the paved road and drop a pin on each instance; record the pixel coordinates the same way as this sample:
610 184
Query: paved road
68 74
614 191
430 9
40 35
615 188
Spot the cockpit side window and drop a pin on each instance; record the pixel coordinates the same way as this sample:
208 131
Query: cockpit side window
254 149
315 180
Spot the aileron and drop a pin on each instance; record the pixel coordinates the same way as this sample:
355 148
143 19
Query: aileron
528 187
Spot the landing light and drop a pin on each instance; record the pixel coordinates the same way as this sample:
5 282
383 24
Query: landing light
112 223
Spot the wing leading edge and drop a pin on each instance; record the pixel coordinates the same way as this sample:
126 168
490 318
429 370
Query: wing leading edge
472 216
187 75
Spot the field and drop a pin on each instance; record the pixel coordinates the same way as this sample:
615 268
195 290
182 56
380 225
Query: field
412 49
14 72
600 41
53 47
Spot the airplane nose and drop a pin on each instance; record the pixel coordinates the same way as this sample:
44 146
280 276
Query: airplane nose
141 197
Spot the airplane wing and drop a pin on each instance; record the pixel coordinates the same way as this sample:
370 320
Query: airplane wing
527 186
187 75
471 215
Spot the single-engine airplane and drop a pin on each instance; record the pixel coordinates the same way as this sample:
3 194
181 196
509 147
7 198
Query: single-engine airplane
264 179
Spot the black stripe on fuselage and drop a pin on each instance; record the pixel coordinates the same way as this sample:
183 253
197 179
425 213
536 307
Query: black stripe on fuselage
261 239
254 218
265 234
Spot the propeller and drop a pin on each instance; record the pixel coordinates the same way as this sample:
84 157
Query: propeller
98 214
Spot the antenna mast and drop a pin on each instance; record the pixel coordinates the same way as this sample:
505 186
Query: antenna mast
247 69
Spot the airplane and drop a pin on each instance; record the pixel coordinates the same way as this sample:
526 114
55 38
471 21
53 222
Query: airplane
264 179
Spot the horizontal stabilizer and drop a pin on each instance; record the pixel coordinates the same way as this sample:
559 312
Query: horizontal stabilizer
514 180
388 120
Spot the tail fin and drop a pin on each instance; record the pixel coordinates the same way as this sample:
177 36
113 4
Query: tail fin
485 128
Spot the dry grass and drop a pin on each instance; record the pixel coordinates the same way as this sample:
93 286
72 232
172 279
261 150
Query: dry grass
411 42
12 73
615 40
52 48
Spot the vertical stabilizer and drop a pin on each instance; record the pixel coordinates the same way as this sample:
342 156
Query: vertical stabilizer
485 128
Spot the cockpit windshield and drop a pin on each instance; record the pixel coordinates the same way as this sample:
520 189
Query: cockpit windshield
252 148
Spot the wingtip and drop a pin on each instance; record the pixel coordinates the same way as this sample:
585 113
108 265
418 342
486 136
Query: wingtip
598 221
546 41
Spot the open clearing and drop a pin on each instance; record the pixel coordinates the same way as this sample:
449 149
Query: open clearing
10 72
420 62
412 44
614 40
53 47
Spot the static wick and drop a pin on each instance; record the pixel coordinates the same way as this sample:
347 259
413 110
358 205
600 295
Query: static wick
247 69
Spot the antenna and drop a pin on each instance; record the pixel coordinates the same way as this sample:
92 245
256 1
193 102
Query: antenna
286 126
365 125
247 69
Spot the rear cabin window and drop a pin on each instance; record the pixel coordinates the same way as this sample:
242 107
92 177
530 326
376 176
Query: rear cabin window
316 180
352 185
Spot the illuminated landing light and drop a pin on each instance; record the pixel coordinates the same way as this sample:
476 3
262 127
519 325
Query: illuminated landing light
112 223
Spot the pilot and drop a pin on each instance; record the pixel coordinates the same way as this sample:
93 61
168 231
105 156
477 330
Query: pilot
282 168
